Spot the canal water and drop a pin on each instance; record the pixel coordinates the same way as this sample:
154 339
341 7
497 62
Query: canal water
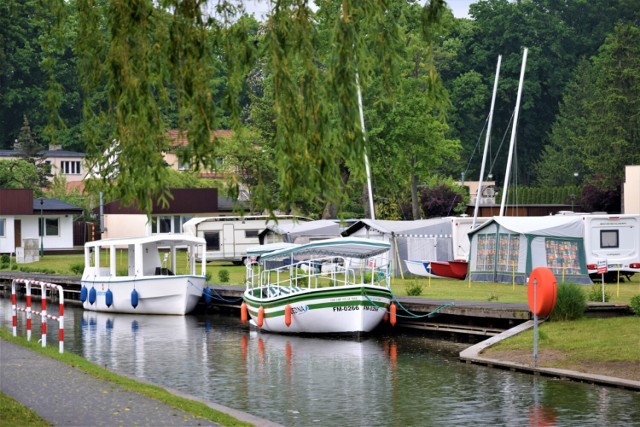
402 380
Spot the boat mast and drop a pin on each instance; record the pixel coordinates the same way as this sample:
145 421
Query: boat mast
486 143
366 158
513 134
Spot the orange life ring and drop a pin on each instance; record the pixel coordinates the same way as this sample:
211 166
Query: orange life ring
544 281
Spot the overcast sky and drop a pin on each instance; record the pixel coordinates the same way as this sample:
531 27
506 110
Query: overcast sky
460 7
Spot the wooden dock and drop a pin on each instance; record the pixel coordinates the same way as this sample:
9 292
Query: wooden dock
468 320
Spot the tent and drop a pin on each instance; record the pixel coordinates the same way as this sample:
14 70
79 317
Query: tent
436 239
300 232
506 249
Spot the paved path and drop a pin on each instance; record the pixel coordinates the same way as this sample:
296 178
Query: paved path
66 396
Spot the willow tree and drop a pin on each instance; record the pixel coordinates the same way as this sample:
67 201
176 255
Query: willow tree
156 59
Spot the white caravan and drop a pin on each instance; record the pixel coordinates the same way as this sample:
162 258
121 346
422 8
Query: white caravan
613 240
228 237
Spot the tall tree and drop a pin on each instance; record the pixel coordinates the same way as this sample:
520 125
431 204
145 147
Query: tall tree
148 42
31 150
598 130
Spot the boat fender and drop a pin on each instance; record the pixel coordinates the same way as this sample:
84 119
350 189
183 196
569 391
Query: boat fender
207 295
134 298
92 295
287 315
260 317
243 313
108 298
83 294
392 314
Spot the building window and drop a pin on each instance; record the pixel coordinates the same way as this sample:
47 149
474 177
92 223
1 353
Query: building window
2 227
183 166
51 227
70 167
168 224
609 239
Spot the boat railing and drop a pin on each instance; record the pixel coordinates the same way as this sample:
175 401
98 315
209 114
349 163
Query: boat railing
318 273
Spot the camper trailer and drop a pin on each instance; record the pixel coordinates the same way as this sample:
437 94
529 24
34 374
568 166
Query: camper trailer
613 240
228 237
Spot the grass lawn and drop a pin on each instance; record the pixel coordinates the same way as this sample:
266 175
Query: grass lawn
15 414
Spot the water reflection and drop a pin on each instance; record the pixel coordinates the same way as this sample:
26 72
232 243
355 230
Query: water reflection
302 381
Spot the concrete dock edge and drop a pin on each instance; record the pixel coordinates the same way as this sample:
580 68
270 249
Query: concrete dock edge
472 355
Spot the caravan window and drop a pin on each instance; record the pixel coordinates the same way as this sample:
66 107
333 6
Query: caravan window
609 239
213 240
251 233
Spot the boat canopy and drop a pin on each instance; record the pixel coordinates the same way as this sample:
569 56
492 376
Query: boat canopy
157 239
340 247
260 250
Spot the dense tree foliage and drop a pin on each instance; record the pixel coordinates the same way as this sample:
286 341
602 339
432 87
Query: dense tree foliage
18 174
597 131
109 77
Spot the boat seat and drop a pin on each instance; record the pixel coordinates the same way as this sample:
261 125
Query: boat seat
161 271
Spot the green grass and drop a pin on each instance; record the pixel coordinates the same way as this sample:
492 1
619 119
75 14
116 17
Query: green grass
158 393
615 339
14 414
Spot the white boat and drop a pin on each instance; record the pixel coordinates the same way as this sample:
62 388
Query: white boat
333 286
421 268
136 275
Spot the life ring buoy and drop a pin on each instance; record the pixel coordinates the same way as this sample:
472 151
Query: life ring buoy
543 281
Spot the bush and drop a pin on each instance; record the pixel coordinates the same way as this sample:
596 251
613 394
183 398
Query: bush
207 276
635 304
5 259
223 276
595 294
570 304
414 289
77 268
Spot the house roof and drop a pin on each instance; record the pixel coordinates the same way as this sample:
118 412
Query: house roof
45 153
180 138
49 205
185 201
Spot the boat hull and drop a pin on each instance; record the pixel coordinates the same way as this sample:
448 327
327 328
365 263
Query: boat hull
340 310
176 295
421 268
450 269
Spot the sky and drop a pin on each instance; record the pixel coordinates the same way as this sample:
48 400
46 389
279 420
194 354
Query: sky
460 8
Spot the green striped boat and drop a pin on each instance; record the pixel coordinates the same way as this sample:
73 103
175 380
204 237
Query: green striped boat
333 286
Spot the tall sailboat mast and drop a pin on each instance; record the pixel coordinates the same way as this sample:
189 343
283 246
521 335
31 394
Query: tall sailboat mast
513 134
366 158
486 143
